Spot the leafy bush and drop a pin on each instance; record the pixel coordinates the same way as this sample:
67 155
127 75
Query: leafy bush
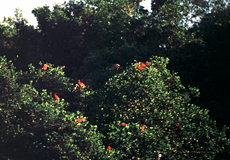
148 94
35 124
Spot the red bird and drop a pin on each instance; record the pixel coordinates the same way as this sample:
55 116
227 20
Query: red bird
80 83
143 64
140 67
45 66
80 120
115 66
143 127
123 124
56 97
109 148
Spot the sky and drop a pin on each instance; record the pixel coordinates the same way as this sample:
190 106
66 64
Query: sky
8 7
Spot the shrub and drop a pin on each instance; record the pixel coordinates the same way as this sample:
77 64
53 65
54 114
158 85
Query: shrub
37 125
148 94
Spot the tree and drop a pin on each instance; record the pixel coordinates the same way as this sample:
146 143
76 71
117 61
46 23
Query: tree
146 112
61 34
214 31
70 31
169 20
16 39
36 124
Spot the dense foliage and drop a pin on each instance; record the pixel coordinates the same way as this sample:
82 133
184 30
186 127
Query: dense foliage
118 96
146 112
35 122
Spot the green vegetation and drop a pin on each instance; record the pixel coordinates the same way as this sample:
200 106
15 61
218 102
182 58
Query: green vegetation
111 80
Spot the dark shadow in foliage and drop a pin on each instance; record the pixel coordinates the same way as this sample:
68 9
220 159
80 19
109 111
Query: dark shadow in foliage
94 69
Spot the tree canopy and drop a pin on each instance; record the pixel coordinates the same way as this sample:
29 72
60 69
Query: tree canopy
130 79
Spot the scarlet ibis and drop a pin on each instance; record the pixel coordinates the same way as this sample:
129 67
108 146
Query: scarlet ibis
56 96
80 83
115 66
45 66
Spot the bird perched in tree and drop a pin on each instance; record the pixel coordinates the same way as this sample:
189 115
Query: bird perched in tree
45 66
115 66
80 83
56 97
